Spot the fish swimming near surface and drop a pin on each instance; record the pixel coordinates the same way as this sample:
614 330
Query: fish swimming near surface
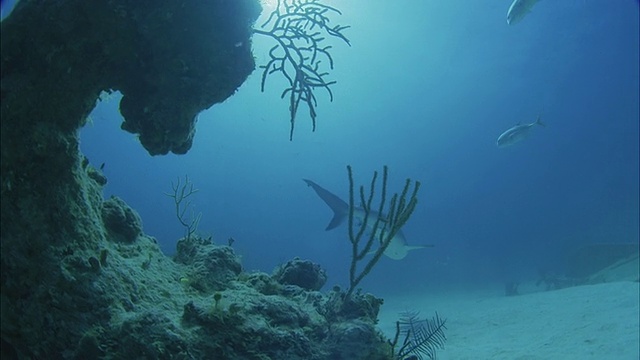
517 133
397 248
518 10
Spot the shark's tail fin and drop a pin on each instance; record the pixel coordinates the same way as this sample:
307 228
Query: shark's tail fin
339 207
539 122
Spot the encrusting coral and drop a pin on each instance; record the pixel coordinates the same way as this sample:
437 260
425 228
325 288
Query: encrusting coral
302 273
121 220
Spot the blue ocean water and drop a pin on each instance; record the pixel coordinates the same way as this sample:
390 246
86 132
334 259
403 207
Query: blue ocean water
426 88
6 6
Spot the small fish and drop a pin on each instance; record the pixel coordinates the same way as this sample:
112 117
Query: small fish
517 133
518 10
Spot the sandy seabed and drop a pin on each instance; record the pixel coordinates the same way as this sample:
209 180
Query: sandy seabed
583 322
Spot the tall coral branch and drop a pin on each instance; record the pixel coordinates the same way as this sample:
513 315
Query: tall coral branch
180 194
299 28
384 227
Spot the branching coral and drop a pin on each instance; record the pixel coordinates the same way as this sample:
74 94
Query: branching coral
180 195
383 228
299 28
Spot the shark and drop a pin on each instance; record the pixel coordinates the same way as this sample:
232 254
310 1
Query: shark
398 247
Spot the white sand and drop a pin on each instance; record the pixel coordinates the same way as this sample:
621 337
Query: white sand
584 322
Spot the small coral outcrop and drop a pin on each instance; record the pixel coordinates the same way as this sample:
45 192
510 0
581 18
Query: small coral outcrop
302 273
265 319
122 222
212 267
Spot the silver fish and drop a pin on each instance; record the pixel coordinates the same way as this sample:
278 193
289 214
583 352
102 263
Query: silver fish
517 133
518 10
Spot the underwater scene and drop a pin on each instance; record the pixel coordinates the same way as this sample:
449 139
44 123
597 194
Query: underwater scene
320 179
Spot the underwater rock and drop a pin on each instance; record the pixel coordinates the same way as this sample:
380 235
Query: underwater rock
170 62
187 249
338 307
178 74
277 328
68 290
302 273
121 220
356 339
555 281
263 283
97 176
280 311
587 260
236 334
627 269
511 288
212 266
152 336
